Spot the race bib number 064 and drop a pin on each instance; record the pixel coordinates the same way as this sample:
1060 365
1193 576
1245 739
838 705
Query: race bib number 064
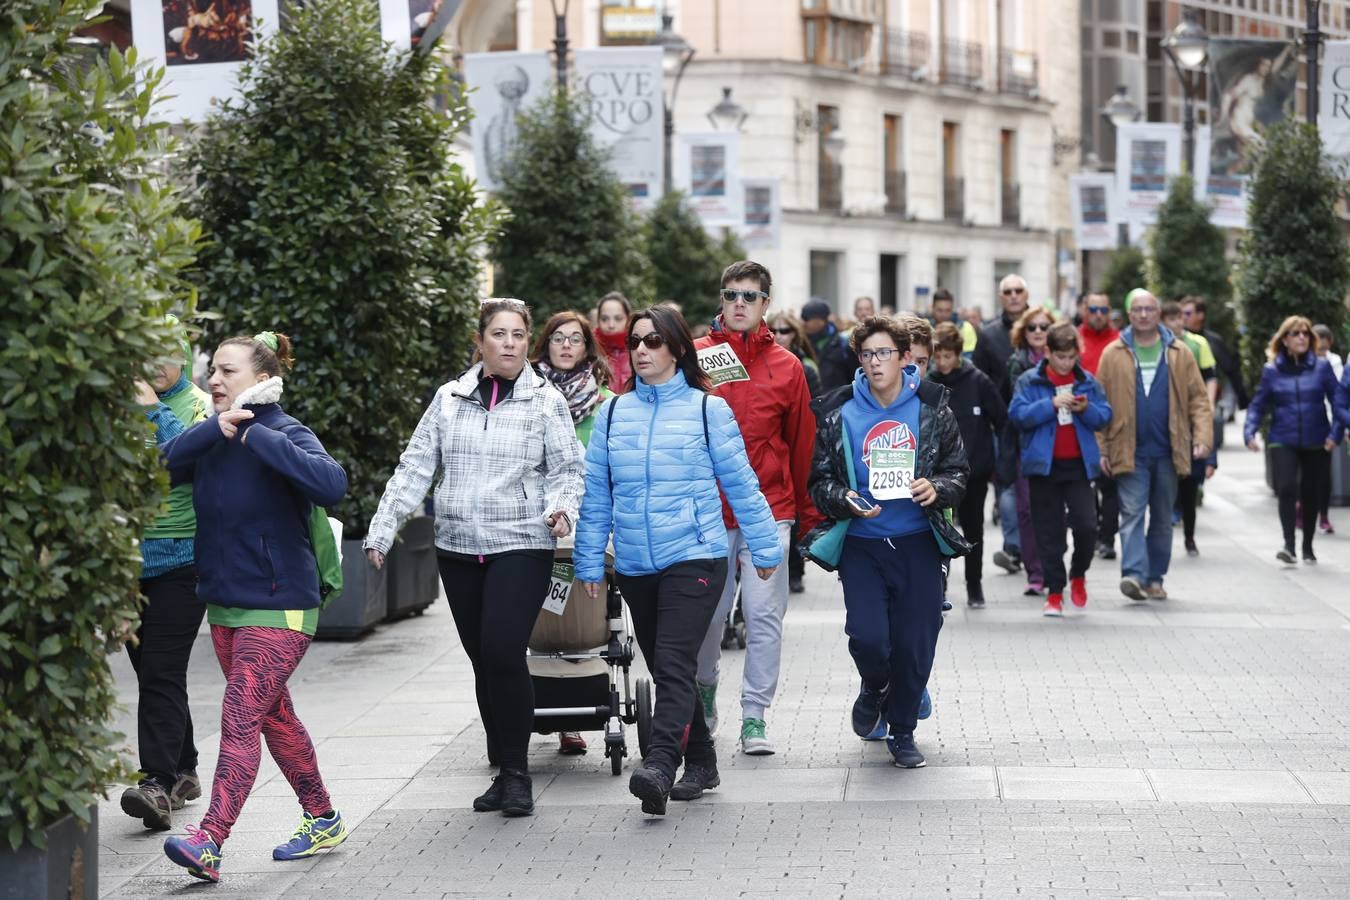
559 588
890 474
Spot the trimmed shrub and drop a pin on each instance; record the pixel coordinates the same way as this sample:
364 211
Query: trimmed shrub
1124 272
686 261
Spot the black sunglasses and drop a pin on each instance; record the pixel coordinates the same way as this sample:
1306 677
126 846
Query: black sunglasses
730 295
1038 326
652 340
1099 309
784 331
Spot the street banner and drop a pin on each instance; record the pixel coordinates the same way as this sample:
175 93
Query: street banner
201 47
503 85
762 220
1333 112
1148 157
622 86
707 169
1226 195
1091 198
1251 87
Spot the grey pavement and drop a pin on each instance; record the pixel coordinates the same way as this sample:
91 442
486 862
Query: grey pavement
1192 747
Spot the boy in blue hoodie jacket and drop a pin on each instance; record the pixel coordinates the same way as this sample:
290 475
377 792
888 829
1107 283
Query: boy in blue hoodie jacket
1056 408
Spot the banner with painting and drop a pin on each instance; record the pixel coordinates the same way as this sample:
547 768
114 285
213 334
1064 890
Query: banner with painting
622 86
1226 195
707 169
201 44
1091 197
502 86
1251 87
1148 157
1333 109
762 219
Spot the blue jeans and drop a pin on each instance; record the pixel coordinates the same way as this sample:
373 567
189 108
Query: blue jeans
1151 487
1006 498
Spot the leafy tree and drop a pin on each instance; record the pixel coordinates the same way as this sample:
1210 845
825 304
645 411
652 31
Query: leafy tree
572 236
1124 272
1293 257
1188 257
687 262
91 250
337 217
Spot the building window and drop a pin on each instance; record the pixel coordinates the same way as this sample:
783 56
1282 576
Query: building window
825 267
953 184
1011 189
893 170
840 35
951 274
829 169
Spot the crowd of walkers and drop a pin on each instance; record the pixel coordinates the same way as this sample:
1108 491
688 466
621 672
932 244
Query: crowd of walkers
714 467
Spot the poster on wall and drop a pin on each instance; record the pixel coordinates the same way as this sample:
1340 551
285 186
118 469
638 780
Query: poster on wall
1333 110
622 86
707 170
201 44
762 218
503 85
1148 156
1091 198
1251 87
1226 195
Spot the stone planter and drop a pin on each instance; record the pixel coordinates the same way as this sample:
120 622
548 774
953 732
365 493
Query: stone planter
363 599
413 575
66 868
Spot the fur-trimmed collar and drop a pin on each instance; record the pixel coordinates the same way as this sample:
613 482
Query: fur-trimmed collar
268 391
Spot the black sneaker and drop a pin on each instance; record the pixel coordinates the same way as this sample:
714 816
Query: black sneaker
697 778
1308 556
902 748
652 787
491 799
150 803
975 596
1106 551
795 585
1191 549
867 709
1009 562
1286 556
517 793
187 787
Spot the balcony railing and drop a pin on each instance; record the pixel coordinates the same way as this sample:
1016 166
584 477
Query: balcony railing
963 63
1012 205
1017 73
954 199
907 53
895 194
829 185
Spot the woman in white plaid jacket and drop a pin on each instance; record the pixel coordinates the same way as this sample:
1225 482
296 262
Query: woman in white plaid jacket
511 486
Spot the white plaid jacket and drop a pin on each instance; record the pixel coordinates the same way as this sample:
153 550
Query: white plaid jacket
502 473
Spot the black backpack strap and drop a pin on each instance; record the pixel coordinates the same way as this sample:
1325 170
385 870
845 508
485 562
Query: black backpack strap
609 422
707 443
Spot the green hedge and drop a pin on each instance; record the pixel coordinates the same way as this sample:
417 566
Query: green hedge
91 246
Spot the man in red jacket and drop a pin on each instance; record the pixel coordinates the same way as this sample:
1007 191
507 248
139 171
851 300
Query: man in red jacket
766 388
1097 333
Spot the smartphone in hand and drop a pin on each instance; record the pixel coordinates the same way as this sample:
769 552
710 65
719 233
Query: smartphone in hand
860 503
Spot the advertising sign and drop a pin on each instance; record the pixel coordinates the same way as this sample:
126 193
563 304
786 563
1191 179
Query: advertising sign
504 85
623 88
762 221
707 170
1251 87
1091 197
1333 111
1148 157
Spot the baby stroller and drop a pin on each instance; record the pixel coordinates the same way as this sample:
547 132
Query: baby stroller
579 655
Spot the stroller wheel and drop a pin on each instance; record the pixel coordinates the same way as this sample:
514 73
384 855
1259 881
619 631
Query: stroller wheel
616 755
644 716
728 637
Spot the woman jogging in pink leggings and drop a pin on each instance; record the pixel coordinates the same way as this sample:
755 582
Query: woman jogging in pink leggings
256 476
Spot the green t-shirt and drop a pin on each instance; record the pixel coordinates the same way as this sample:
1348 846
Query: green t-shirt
1148 362
305 621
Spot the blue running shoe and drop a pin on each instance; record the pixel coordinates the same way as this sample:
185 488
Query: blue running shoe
198 853
867 709
878 733
312 836
925 705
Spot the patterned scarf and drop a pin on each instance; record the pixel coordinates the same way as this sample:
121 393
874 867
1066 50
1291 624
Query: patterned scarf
578 388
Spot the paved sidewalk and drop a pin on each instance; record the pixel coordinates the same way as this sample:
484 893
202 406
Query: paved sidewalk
1193 747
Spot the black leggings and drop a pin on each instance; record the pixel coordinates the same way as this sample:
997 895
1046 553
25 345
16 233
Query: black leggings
1300 473
671 613
1188 497
495 604
970 514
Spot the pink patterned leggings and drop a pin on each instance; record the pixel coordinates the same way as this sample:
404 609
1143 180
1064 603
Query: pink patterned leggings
257 662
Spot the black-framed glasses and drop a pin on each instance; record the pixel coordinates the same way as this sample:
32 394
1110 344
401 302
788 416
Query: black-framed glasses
784 331
651 340
883 353
731 295
1038 326
557 339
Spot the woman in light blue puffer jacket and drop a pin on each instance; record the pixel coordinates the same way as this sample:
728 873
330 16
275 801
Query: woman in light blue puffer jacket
652 470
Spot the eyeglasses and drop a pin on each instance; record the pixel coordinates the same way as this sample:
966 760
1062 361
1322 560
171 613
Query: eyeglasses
747 297
1144 310
784 331
1099 309
651 340
1038 326
558 339
884 354
1007 291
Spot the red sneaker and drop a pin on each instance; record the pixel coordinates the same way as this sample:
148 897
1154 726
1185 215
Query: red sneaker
570 743
1054 605
1078 592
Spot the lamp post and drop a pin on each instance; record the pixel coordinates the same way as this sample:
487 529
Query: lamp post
727 115
560 41
1187 47
1120 110
1311 38
675 55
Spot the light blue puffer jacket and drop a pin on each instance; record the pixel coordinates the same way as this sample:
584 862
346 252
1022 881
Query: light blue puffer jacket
664 508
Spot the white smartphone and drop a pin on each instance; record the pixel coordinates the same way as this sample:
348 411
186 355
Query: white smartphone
861 503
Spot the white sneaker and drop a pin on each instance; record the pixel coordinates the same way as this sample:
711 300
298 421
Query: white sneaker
754 742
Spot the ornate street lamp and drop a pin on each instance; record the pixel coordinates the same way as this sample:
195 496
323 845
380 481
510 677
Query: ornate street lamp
1120 109
1187 47
675 55
727 115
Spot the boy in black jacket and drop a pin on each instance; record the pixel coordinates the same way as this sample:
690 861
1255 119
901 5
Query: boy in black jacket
980 413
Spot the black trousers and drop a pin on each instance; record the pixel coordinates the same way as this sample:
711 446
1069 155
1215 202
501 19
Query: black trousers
1188 497
970 515
671 613
1065 496
1108 510
495 604
169 625
1300 473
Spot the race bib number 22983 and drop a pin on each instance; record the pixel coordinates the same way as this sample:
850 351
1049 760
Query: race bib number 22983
890 474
